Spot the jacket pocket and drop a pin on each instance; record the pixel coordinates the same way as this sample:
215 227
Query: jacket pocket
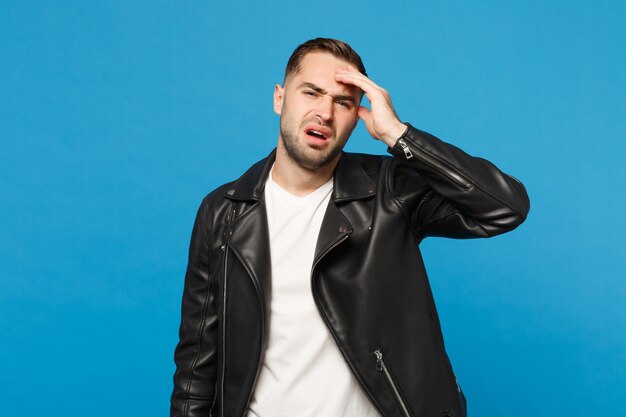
381 366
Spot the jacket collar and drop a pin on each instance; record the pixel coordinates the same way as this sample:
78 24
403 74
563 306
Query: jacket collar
349 182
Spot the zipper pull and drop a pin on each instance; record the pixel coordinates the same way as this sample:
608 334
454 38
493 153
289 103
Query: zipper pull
405 148
379 360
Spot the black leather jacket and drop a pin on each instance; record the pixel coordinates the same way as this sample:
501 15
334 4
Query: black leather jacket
368 278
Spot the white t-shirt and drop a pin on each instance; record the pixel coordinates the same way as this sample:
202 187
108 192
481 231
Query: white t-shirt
303 373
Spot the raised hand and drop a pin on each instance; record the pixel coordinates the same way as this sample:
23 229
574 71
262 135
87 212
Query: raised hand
381 121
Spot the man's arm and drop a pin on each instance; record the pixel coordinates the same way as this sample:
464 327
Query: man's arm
443 190
467 196
195 355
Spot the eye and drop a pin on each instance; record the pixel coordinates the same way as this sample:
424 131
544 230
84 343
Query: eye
344 104
310 93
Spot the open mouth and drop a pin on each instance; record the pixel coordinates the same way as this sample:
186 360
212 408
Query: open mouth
317 131
316 134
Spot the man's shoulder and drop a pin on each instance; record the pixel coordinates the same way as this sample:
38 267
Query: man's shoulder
367 159
246 180
219 192
370 164
213 201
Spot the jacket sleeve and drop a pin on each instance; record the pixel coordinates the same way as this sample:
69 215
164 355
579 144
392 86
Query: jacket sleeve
446 192
195 354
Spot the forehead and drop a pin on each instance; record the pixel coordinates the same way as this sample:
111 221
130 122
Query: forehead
319 68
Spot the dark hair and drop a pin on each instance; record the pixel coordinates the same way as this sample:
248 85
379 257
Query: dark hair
335 47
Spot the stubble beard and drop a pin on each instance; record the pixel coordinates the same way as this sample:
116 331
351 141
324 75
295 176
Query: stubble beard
304 156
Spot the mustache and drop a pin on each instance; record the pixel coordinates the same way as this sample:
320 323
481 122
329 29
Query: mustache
318 122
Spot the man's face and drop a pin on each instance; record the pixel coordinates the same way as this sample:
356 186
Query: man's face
317 113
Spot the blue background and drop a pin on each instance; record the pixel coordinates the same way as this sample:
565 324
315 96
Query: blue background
116 118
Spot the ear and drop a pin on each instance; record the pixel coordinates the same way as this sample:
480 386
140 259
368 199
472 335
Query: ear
279 95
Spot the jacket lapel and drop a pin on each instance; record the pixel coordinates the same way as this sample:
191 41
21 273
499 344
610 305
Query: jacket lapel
335 227
350 183
250 242
249 232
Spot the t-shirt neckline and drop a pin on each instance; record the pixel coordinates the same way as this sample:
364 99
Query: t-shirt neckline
322 189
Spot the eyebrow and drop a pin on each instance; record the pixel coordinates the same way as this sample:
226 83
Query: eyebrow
320 90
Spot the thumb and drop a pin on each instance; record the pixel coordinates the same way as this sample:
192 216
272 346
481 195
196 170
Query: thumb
366 115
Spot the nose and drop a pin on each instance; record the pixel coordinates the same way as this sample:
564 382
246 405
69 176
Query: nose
324 109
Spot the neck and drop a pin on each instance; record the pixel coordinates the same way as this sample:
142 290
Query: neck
297 179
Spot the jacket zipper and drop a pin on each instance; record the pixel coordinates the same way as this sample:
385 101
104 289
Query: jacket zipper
382 367
231 216
454 176
405 148
225 249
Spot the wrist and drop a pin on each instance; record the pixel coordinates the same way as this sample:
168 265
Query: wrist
395 133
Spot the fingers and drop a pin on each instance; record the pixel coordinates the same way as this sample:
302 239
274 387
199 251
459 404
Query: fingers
381 121
365 114
357 79
373 92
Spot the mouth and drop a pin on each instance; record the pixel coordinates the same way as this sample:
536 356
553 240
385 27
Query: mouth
318 132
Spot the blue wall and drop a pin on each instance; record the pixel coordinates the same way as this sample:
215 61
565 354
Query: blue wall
116 118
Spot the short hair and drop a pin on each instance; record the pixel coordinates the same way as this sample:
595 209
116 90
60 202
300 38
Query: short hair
339 49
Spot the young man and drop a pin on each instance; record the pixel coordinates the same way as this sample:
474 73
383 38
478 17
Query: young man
305 293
